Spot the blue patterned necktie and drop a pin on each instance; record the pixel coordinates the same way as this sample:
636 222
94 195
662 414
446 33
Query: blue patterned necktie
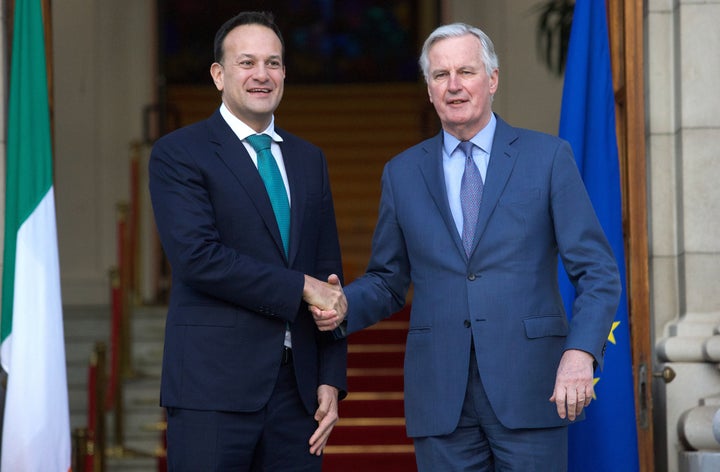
270 174
471 188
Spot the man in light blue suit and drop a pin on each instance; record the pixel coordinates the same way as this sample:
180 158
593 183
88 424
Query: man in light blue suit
494 372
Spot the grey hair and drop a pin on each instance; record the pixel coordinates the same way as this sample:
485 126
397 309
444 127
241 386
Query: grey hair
455 30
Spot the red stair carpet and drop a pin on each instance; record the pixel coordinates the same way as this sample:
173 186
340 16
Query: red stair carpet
370 436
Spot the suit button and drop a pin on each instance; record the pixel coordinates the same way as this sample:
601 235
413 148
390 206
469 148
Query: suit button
471 277
466 323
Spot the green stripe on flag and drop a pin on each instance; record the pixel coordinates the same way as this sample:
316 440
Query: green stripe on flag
36 420
29 152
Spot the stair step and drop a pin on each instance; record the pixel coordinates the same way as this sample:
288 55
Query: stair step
377 404
385 332
380 408
373 380
369 431
373 355
369 458
133 457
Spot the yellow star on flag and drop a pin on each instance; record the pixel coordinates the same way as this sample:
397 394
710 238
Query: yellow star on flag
595 381
611 336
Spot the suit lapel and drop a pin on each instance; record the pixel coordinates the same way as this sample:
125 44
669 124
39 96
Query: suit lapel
233 154
432 170
297 184
502 161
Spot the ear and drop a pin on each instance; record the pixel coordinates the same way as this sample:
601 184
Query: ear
429 94
217 74
494 79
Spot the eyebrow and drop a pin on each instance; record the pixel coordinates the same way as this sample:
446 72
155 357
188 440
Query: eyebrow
245 55
458 68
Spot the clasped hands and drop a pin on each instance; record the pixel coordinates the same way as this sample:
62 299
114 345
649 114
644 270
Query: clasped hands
326 301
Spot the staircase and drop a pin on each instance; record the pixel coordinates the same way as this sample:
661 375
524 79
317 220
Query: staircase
370 435
141 440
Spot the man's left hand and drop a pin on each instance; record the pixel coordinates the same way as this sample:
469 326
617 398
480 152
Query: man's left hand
326 416
573 383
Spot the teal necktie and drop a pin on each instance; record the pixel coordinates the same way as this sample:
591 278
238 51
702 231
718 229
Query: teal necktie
270 174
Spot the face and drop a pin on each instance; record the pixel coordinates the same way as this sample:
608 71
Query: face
459 87
252 75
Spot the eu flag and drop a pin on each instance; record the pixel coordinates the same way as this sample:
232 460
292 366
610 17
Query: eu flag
607 439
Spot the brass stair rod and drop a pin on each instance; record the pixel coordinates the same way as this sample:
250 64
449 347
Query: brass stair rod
98 445
134 222
79 448
126 368
124 362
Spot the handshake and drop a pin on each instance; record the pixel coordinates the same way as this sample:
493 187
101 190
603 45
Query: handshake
326 301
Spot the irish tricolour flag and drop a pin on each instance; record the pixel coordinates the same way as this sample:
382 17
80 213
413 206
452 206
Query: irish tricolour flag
36 426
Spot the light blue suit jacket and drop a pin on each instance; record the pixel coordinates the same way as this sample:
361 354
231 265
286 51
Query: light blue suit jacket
505 297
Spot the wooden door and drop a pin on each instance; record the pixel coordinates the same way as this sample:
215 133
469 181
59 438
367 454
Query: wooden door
625 18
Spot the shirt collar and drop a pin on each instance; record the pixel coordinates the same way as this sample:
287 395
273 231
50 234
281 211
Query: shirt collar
483 139
242 130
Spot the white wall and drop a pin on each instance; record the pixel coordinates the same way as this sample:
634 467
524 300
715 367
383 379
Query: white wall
684 206
103 57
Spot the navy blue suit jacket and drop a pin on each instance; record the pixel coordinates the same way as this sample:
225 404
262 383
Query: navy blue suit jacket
233 290
504 296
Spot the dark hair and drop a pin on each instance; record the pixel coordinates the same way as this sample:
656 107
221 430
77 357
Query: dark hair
262 18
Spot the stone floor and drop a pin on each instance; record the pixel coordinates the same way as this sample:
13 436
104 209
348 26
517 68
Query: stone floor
140 442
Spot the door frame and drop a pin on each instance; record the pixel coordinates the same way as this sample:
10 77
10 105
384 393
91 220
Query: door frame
626 27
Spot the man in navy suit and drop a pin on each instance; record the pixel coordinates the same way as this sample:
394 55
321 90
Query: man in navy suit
475 219
248 381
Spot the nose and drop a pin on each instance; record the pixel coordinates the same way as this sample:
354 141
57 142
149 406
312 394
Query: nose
454 82
260 71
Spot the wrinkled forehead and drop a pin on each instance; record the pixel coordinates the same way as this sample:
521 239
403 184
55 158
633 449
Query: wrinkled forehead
465 49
